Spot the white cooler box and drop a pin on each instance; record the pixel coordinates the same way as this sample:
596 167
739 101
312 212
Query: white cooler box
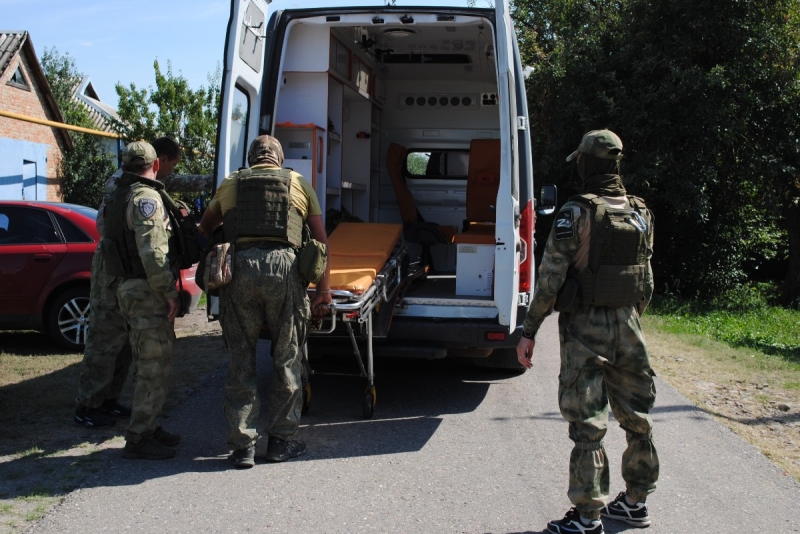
474 270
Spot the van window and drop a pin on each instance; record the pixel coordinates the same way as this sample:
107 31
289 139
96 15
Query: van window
240 111
439 164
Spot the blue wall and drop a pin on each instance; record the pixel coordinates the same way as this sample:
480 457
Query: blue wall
13 156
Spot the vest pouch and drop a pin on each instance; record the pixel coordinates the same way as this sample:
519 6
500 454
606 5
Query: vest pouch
311 261
617 286
219 266
569 298
113 261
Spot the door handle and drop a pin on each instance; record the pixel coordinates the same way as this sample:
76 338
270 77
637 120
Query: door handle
42 257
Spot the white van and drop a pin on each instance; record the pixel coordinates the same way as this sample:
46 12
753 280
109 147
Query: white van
408 114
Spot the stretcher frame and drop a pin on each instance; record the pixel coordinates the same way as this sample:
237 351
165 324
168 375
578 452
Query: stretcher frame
348 307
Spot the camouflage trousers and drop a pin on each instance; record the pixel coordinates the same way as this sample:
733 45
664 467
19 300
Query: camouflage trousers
266 289
152 338
604 362
107 355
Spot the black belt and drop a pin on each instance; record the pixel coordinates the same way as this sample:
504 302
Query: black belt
263 245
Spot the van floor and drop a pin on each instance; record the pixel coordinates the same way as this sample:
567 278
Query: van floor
439 288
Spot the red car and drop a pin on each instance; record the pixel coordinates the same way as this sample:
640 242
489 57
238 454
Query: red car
46 251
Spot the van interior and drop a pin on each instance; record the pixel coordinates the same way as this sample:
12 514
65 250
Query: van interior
396 120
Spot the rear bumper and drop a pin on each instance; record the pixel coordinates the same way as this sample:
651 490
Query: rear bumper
454 333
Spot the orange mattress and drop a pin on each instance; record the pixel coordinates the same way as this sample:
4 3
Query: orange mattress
358 251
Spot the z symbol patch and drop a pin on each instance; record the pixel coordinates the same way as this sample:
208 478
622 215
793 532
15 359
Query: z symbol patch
563 226
148 207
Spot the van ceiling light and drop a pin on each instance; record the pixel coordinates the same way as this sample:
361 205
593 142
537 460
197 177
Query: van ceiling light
377 20
406 19
398 32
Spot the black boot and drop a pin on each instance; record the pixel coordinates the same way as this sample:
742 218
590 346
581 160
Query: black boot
279 450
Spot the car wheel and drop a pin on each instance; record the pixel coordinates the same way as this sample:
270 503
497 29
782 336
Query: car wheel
68 318
501 360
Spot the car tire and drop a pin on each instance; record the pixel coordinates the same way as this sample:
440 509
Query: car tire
68 318
502 360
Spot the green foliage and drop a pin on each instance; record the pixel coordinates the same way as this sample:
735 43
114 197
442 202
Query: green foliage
707 103
174 109
417 163
744 318
84 170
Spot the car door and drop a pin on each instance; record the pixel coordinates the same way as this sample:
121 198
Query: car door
30 250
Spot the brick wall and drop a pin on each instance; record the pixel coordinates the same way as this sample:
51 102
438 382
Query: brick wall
32 104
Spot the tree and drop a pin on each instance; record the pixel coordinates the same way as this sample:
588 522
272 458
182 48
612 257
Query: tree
706 102
173 109
84 170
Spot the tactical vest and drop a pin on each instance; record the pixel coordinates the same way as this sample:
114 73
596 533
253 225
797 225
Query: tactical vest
187 249
617 268
264 208
119 242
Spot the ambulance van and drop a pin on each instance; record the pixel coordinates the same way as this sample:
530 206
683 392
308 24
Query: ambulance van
405 113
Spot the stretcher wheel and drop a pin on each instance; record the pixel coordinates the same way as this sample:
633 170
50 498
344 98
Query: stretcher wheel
306 398
369 402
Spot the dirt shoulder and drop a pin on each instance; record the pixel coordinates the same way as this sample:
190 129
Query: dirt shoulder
756 397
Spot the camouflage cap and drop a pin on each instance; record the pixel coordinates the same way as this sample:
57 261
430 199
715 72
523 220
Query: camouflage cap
265 149
603 144
138 153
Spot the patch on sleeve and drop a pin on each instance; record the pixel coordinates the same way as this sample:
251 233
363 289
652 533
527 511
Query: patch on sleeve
564 227
148 207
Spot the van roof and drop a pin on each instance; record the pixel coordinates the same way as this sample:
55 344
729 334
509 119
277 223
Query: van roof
313 4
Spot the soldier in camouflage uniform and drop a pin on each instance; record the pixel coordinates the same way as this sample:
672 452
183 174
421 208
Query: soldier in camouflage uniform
136 247
107 355
263 209
596 272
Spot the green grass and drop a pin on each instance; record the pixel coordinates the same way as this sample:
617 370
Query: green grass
37 513
754 324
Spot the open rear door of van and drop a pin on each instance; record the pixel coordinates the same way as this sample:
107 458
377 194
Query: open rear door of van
241 84
506 267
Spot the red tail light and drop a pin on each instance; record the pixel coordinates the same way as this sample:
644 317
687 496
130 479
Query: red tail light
526 227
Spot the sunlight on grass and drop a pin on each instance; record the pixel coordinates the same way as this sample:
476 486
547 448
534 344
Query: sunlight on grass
34 452
37 513
770 330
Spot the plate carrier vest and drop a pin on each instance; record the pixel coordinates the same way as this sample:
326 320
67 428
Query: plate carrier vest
617 269
263 208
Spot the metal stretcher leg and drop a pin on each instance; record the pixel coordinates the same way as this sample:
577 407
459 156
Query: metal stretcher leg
369 393
306 379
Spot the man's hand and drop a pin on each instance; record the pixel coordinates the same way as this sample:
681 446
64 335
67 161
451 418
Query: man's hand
174 308
319 304
525 351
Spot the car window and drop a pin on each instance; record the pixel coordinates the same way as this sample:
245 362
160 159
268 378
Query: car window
438 164
72 234
27 226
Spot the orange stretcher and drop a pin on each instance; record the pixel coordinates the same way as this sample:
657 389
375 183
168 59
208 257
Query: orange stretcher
367 263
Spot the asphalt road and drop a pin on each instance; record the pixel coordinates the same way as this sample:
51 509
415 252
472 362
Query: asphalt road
450 449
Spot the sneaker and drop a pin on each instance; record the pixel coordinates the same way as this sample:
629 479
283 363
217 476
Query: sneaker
147 449
92 418
279 450
166 438
572 524
633 514
113 408
244 458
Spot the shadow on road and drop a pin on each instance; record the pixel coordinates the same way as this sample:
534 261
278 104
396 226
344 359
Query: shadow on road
412 395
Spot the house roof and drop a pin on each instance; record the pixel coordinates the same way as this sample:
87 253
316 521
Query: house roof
99 111
14 43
